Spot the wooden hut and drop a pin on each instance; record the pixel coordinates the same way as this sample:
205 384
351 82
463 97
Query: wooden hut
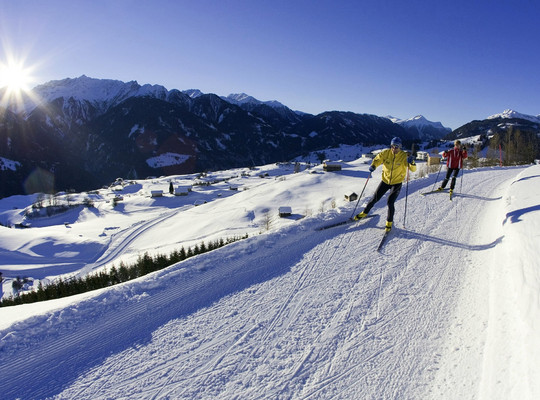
351 197
285 211
331 166
434 160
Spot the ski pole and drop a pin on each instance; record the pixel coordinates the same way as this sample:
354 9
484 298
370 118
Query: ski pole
359 197
437 178
461 181
406 196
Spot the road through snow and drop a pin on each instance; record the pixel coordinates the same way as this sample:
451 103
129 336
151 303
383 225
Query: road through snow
291 314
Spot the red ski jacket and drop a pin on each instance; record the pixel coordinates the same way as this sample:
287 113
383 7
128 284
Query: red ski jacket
455 157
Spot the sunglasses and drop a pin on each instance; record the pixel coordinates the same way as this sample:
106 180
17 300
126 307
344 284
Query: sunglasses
395 146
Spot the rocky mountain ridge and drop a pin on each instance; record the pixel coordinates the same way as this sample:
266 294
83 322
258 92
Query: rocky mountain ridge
83 133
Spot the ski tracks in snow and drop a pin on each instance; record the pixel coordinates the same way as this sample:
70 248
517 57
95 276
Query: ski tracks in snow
320 316
121 241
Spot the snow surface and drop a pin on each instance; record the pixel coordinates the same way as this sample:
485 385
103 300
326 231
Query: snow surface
448 310
242 98
167 159
83 88
514 114
6 164
418 121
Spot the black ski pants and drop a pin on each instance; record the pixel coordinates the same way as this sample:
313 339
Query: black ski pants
392 197
449 172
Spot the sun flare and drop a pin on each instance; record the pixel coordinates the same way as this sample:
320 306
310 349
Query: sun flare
15 80
15 76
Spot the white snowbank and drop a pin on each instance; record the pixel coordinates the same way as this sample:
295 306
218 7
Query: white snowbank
448 310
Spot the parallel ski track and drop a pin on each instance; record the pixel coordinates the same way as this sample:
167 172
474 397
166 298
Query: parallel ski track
286 313
444 278
120 242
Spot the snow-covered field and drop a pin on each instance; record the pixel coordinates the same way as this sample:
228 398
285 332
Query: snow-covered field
448 310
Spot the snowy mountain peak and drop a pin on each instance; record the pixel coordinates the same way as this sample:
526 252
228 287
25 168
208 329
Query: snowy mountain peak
510 114
83 88
418 121
393 119
421 128
243 98
418 118
193 93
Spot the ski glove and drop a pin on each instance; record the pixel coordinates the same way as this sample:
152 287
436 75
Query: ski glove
371 168
410 159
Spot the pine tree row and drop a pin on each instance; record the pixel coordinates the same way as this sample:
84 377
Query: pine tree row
144 265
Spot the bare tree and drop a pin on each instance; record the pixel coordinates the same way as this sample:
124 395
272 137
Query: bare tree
267 221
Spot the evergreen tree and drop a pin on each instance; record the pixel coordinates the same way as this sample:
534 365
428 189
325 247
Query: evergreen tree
123 272
183 254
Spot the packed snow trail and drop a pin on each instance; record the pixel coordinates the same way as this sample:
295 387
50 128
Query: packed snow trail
291 314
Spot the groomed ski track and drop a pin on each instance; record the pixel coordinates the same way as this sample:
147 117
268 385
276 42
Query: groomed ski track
292 314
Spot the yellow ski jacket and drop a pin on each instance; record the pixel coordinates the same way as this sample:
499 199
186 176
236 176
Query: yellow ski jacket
394 166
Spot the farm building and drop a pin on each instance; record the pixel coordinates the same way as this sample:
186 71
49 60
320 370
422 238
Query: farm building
434 160
351 197
285 211
422 155
182 191
331 166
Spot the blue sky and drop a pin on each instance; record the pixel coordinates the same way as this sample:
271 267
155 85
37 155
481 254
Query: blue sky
451 61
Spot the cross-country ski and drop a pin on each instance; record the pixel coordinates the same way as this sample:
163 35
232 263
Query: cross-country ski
344 222
383 240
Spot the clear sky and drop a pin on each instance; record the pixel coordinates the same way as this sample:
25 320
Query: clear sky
451 61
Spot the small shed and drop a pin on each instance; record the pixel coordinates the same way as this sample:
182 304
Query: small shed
157 193
285 211
331 166
181 191
422 155
351 197
434 160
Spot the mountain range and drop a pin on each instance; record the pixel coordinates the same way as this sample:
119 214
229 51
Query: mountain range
83 133
499 124
421 128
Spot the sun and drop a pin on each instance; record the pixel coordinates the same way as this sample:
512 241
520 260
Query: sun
15 77
15 80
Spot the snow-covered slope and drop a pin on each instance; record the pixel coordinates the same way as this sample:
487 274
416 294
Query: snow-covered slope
443 312
511 114
242 98
193 93
101 92
104 93
420 121
421 127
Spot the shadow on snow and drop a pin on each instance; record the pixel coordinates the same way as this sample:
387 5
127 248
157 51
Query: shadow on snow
445 242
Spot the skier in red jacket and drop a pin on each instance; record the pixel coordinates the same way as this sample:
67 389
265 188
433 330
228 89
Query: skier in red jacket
454 162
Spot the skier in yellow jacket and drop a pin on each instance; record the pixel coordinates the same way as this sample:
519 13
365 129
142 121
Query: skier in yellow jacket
395 162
